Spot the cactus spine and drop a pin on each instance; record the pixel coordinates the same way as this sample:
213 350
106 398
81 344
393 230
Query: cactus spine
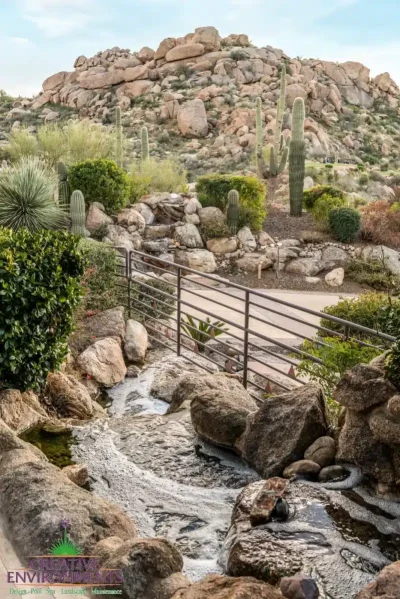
64 189
297 158
77 213
232 215
145 144
279 150
118 127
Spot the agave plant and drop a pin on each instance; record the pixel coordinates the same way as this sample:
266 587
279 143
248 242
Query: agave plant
27 197
202 331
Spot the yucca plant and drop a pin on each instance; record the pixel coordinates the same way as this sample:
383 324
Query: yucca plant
27 197
202 331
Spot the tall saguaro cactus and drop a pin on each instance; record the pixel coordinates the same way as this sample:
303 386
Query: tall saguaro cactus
77 213
145 144
279 150
232 214
118 128
64 188
297 158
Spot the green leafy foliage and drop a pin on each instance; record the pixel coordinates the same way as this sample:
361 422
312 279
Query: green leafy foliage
338 357
213 191
376 311
101 181
345 224
322 208
27 192
154 175
310 196
100 283
40 288
374 275
392 366
216 231
202 331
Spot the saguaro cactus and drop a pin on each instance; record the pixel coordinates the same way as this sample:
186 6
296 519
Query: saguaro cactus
232 214
77 213
259 131
297 158
118 128
145 144
64 188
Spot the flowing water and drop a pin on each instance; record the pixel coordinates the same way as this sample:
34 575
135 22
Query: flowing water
175 485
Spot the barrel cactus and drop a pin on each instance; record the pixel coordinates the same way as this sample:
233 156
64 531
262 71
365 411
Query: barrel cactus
118 128
232 215
77 213
145 144
297 158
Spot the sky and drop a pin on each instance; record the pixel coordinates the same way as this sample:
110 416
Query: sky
41 37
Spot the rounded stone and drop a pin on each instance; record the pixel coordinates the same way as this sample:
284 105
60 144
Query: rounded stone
302 468
322 451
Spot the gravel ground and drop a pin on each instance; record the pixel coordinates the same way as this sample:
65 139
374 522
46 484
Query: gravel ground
283 226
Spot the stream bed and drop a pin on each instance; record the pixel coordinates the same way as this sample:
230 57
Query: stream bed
177 486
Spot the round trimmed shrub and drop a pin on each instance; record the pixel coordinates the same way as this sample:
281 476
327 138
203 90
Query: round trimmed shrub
345 224
310 196
101 181
323 206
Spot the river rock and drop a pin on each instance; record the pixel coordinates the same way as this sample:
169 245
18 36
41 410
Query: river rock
201 260
299 587
224 587
211 217
222 245
21 411
189 236
219 408
136 341
283 428
104 362
77 473
335 278
386 586
247 239
68 397
152 568
322 451
252 262
363 387
302 468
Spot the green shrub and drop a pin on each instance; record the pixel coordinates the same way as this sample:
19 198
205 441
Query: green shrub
27 192
213 191
372 274
392 366
40 287
100 283
101 181
310 196
216 231
322 208
154 175
377 311
364 179
151 300
345 224
329 166
338 357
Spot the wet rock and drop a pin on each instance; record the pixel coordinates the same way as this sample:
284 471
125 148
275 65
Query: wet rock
299 587
265 504
224 587
219 408
68 397
104 362
302 468
363 387
136 341
170 371
21 411
332 473
151 568
322 451
386 586
77 473
283 428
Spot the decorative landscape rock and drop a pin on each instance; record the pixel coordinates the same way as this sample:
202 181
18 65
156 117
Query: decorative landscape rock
283 428
363 387
132 218
253 262
224 587
322 451
189 236
333 257
386 586
302 468
247 240
222 245
299 587
21 411
68 397
96 218
136 341
77 473
104 362
335 277
108 323
211 217
305 266
201 260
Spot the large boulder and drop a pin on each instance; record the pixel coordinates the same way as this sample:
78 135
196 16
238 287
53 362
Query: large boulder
21 411
283 428
122 239
109 323
322 451
386 586
211 217
333 257
335 278
101 80
192 119
97 218
68 397
165 46
363 387
252 262
208 37
171 370
225 587
381 252
104 362
309 267
201 260
55 82
131 218
151 568
219 408
222 245
184 51
189 236
247 239
136 341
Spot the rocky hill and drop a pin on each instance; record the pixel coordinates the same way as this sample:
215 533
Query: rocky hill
197 96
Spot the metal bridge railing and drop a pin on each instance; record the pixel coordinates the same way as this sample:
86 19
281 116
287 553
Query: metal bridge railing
262 336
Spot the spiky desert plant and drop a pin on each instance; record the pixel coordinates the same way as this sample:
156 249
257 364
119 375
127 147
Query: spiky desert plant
145 144
297 158
77 213
64 188
27 197
118 128
232 214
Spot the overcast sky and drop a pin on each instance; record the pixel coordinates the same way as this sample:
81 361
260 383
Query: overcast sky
41 37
